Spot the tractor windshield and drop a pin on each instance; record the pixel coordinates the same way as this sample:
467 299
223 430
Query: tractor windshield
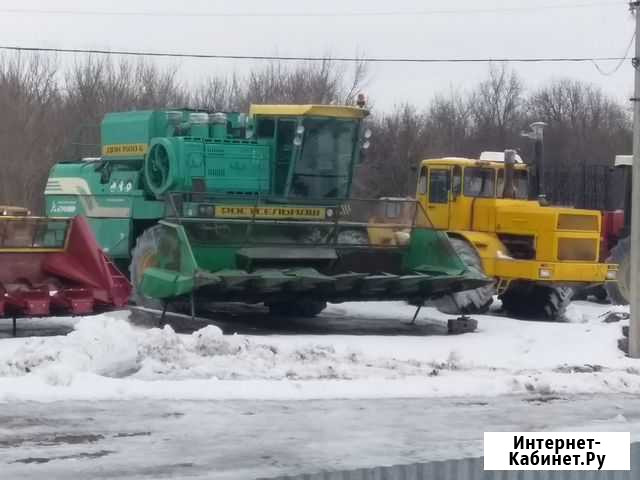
479 182
520 182
323 169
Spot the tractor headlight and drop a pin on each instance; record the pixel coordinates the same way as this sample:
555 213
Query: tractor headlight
366 145
545 272
367 133
329 212
611 274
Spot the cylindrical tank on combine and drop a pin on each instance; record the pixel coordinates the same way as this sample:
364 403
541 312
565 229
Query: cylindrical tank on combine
199 124
218 125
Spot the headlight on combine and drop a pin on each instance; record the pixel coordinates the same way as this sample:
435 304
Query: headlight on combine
206 211
611 274
545 272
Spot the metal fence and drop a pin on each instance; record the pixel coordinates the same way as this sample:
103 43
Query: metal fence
598 187
466 469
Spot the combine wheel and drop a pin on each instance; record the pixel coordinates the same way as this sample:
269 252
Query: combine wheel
143 256
529 300
300 308
474 301
619 292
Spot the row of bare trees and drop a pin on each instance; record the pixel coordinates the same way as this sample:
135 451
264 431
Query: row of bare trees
48 112
585 128
45 106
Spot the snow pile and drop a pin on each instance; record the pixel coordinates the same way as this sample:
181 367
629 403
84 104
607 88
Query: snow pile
113 348
98 344
106 357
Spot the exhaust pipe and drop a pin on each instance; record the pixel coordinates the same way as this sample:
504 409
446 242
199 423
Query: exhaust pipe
509 190
536 177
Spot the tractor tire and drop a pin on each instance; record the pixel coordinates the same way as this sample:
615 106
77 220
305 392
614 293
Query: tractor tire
144 256
300 308
469 302
536 302
619 292
353 237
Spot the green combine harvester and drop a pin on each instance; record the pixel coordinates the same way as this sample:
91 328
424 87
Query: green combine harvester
252 208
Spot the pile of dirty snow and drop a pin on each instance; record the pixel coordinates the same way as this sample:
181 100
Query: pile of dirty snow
106 357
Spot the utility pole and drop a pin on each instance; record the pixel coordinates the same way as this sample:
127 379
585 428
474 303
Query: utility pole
634 323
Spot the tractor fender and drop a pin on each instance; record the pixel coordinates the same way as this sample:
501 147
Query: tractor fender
488 246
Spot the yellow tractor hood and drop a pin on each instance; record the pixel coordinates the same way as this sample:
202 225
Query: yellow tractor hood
522 217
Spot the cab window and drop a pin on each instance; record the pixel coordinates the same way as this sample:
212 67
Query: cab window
479 182
456 181
422 181
520 182
439 185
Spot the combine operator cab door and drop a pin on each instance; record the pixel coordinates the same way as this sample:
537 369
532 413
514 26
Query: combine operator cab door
434 192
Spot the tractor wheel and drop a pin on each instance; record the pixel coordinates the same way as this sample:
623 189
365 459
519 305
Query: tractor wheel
143 256
529 300
353 237
300 308
619 292
473 301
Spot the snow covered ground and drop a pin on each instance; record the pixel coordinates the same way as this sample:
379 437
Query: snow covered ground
247 439
100 397
106 358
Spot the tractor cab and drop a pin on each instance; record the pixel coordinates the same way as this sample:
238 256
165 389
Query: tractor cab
450 187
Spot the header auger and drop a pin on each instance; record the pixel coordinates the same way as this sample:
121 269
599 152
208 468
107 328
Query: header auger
253 208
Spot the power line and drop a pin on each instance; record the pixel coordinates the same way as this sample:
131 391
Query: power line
314 14
608 73
315 59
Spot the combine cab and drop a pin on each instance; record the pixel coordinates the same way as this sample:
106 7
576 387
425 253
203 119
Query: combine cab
253 208
53 266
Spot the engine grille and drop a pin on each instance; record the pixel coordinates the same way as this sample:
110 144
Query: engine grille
567 221
578 249
521 247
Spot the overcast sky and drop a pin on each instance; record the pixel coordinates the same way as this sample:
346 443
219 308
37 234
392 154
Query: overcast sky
595 31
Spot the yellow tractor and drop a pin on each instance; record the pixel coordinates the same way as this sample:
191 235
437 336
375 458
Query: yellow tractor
535 252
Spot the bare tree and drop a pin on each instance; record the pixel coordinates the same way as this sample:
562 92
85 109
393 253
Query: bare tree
449 126
30 102
496 107
399 142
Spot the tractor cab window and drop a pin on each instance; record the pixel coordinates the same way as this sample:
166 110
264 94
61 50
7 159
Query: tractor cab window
422 181
324 166
439 185
520 182
456 181
479 182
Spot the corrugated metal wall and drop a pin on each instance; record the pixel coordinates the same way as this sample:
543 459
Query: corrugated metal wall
467 469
